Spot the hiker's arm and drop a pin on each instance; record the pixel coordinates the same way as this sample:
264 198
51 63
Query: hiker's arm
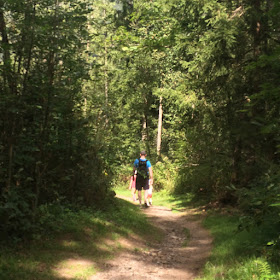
135 167
151 175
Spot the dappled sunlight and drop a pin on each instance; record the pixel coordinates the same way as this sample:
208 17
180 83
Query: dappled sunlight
70 244
124 243
125 236
179 254
79 253
73 268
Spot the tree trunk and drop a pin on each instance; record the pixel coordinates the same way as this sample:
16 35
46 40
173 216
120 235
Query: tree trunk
10 85
145 133
160 114
8 75
105 65
144 129
257 27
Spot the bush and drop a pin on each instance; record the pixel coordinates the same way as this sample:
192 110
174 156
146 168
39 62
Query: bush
165 174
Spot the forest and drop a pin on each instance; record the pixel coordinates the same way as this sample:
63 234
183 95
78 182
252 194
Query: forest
85 85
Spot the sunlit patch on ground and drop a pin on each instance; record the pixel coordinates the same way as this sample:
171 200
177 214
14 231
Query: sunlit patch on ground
75 268
70 243
111 246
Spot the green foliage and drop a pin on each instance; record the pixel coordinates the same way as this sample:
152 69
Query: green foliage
164 175
15 215
265 270
258 198
72 233
238 255
48 150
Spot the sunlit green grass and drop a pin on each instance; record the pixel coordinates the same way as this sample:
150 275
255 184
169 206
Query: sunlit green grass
162 198
174 202
78 244
236 255
80 241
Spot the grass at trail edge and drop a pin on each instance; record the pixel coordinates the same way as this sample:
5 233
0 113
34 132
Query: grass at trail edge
238 255
77 244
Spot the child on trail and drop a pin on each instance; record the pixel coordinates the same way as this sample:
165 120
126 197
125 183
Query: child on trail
132 186
150 194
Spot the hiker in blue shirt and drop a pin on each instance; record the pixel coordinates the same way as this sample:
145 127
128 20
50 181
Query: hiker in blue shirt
144 176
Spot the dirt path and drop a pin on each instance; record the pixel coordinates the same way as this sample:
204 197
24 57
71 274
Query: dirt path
176 258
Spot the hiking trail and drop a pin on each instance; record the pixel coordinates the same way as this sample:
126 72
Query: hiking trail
181 254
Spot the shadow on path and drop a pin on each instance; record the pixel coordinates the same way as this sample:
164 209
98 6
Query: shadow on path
180 256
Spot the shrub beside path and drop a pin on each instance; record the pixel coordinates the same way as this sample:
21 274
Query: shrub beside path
180 255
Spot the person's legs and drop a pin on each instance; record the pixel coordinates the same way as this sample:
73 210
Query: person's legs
150 194
149 198
146 189
133 193
139 186
139 196
146 197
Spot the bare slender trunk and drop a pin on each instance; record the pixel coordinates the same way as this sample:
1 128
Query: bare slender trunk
8 77
10 85
106 74
30 47
10 166
39 170
160 114
85 91
105 66
144 129
257 28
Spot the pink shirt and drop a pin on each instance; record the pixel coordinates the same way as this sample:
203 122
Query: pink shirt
133 182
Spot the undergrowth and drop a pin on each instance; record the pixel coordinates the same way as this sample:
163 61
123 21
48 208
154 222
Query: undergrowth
238 254
74 243
91 236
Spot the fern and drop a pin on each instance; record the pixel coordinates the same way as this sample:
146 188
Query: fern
265 270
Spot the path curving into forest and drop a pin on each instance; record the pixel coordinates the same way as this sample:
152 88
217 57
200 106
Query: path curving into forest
175 258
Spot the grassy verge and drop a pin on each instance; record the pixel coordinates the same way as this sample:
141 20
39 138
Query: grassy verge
77 244
238 255
80 241
162 198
